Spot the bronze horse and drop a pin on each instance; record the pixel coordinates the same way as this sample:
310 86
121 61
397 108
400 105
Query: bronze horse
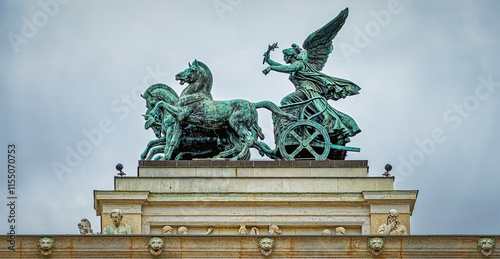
172 141
196 107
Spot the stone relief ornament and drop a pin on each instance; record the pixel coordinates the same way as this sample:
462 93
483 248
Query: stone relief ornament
84 227
167 230
326 232
486 245
155 245
243 230
393 226
182 230
45 245
266 245
339 231
254 231
274 230
376 245
117 228
210 230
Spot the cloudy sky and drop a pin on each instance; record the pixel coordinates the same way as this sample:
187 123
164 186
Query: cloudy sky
71 73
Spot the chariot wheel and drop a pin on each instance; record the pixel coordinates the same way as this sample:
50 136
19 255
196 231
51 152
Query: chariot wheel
304 139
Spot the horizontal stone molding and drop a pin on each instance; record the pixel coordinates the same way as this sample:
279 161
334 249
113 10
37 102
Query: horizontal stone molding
253 185
235 246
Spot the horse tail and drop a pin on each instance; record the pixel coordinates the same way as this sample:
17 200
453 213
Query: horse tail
264 149
258 130
274 109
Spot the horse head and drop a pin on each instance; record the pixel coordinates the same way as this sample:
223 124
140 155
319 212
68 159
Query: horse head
159 92
196 73
154 122
153 95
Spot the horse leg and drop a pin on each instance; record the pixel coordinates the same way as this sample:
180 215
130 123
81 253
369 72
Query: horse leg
155 151
226 153
246 145
246 137
244 122
178 113
174 140
264 149
234 139
182 154
172 133
151 144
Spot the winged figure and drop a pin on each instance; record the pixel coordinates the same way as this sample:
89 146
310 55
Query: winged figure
304 66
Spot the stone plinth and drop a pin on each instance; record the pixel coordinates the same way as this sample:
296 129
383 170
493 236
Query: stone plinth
253 169
302 197
253 184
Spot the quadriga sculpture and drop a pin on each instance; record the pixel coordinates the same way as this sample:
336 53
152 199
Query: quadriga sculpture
177 140
195 107
306 126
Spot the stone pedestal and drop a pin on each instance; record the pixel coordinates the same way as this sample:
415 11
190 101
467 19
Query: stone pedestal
301 197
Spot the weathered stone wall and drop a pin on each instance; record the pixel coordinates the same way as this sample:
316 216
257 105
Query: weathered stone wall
224 246
301 197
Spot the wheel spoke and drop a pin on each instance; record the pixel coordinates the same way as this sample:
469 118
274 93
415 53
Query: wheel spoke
296 136
312 151
311 138
296 151
304 135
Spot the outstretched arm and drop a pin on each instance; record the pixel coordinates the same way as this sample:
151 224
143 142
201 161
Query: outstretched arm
270 61
296 66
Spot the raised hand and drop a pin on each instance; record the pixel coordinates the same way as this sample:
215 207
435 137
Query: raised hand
266 70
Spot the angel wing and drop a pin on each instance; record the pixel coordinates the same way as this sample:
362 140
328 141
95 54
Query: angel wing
319 44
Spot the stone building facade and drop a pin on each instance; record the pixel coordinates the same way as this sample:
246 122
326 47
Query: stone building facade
254 209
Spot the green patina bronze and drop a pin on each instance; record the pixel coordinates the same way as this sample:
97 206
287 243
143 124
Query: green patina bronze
173 141
306 126
233 123
322 131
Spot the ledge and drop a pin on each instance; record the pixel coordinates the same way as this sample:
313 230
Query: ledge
232 246
257 164
253 184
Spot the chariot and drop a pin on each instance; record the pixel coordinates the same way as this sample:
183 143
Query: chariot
307 137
